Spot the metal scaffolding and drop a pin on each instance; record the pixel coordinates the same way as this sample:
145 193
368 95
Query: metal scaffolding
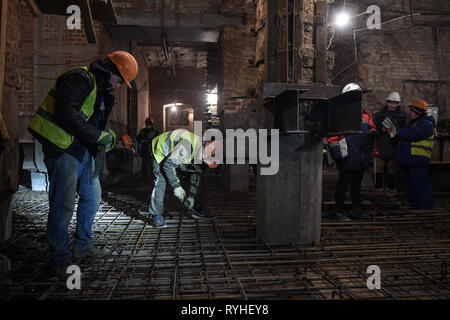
223 258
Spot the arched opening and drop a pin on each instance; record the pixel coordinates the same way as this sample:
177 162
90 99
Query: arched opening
178 116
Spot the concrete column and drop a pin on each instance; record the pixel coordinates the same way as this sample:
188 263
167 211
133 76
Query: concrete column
236 177
289 203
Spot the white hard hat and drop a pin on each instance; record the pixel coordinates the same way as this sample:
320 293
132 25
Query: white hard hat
393 96
350 87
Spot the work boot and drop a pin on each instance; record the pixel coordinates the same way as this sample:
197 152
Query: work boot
92 252
57 271
158 222
203 214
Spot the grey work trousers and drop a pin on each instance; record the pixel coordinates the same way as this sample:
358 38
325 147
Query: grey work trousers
166 172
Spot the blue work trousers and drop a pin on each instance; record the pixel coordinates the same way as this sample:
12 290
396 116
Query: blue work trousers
69 177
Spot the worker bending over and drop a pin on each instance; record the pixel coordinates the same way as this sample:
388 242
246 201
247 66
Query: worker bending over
177 149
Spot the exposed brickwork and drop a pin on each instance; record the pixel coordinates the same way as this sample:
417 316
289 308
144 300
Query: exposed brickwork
405 57
239 71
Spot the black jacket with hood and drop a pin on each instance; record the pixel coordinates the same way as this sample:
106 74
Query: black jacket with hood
385 145
73 87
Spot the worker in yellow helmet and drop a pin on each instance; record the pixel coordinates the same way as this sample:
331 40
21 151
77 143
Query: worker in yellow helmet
178 149
415 145
72 126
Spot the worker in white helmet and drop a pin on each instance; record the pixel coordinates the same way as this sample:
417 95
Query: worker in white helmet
386 147
352 153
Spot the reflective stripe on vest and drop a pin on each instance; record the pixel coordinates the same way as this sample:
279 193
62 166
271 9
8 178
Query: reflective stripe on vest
163 144
423 147
44 123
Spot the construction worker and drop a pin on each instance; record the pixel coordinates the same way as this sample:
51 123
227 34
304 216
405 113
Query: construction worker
144 139
71 124
386 147
414 150
352 154
178 149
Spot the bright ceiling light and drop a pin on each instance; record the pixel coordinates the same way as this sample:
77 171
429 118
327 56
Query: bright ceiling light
173 109
212 98
342 19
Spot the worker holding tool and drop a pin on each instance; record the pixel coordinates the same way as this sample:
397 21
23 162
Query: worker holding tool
178 149
72 126
144 138
352 154
385 174
415 145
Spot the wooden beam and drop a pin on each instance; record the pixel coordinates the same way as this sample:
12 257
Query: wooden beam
271 58
88 22
321 42
33 7
137 17
4 17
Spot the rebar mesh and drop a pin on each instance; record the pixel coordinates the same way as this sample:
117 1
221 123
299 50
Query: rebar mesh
223 258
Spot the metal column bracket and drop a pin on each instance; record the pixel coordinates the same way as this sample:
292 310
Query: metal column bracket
315 109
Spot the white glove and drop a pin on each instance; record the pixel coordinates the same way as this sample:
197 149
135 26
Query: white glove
387 123
189 203
179 193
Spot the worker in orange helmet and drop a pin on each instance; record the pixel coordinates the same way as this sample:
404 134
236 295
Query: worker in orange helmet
415 146
179 149
72 126
144 138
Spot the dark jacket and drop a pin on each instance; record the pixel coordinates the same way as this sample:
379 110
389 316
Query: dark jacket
145 137
385 145
359 146
72 89
416 130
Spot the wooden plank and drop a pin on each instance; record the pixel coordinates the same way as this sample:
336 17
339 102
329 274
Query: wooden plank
299 29
271 60
148 19
4 17
33 7
86 15
103 10
321 42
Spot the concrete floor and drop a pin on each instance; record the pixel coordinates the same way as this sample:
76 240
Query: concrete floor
223 258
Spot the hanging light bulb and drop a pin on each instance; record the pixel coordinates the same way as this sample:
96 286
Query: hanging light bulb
342 19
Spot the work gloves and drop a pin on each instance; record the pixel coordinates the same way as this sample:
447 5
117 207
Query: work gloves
179 193
107 139
388 124
189 203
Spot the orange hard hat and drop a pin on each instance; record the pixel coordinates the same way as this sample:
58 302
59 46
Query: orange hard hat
419 106
126 64
127 141
210 150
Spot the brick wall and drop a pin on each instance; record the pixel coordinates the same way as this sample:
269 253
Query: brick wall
239 64
405 56
49 48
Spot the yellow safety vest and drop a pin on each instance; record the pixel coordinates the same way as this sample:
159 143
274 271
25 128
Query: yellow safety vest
163 144
423 147
44 125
